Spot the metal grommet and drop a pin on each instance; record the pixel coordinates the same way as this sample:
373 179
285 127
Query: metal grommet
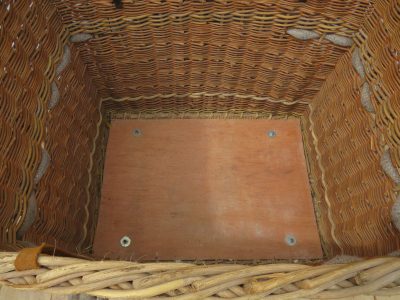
136 132
125 241
271 133
290 240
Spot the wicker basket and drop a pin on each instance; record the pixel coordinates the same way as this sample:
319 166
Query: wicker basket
67 68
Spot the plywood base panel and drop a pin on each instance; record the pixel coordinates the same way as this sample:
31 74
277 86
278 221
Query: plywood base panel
206 189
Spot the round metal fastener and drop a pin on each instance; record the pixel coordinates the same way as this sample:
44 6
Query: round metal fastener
136 132
125 241
290 240
271 133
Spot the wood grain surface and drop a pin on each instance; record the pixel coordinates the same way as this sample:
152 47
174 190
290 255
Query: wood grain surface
206 189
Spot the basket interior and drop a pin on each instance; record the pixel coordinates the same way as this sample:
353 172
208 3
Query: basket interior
70 71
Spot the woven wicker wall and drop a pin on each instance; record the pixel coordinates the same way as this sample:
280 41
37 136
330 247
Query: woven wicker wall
31 47
346 141
26 69
209 55
64 188
379 43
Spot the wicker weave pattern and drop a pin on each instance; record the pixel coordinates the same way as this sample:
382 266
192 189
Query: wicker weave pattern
204 104
69 139
29 46
356 196
379 42
32 41
182 48
122 279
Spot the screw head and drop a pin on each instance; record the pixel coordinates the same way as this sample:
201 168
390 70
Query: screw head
290 240
271 133
136 132
125 241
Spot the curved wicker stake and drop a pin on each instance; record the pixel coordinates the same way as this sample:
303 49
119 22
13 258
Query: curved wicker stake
59 280
245 273
148 292
81 267
344 272
187 272
256 287
377 272
112 273
301 293
212 290
134 270
54 261
360 290
95 286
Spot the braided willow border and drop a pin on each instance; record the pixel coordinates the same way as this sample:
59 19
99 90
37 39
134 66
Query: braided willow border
116 279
